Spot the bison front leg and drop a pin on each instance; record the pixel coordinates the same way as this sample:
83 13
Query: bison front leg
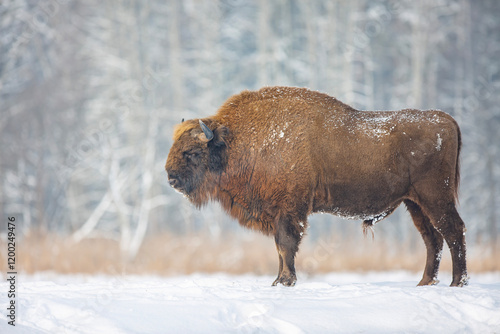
287 238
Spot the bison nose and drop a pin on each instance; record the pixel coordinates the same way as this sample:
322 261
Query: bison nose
173 182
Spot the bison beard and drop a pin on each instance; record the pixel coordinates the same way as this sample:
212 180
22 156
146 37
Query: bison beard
273 157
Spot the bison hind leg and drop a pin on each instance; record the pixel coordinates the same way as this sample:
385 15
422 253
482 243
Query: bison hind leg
433 241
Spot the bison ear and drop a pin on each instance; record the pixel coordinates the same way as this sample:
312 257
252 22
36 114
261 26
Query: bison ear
218 148
217 137
221 134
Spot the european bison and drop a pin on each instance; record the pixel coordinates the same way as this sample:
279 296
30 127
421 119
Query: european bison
273 157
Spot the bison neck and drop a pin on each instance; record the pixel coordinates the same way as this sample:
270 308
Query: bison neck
237 197
234 197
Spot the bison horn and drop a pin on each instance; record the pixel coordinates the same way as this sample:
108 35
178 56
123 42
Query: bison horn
208 133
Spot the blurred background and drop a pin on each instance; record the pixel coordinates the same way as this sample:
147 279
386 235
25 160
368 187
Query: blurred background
90 92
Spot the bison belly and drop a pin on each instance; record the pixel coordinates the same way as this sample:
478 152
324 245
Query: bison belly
360 200
362 181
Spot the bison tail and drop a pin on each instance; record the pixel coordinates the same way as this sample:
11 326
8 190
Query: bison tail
457 169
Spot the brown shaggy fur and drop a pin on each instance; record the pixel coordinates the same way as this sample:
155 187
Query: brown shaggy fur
281 153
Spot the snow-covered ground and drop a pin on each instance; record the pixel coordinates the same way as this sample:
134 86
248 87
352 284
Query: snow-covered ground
386 302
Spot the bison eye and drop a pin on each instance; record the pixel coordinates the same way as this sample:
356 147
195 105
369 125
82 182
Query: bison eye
192 156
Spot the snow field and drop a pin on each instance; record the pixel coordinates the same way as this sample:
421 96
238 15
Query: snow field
383 302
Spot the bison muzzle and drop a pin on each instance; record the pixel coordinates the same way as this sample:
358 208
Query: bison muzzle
273 157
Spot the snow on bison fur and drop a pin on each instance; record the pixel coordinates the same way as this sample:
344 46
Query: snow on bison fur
273 157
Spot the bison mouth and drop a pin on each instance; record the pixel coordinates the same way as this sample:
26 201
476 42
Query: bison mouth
176 184
179 186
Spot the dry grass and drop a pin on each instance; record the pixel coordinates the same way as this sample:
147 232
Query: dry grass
171 255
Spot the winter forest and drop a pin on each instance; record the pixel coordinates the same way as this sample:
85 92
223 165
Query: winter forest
90 92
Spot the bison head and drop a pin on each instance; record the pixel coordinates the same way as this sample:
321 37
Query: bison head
199 147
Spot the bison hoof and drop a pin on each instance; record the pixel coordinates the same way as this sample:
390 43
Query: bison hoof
425 282
285 280
463 281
